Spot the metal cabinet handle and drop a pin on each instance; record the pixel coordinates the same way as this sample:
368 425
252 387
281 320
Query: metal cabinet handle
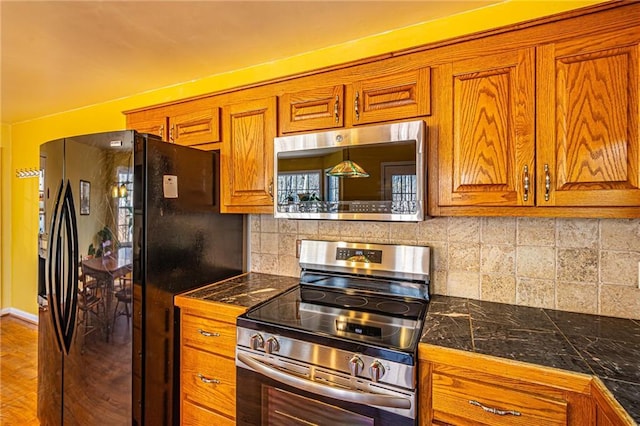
547 182
207 380
526 182
356 106
208 333
495 410
171 134
161 131
336 109
271 189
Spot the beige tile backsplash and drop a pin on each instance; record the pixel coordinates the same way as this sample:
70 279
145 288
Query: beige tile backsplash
580 265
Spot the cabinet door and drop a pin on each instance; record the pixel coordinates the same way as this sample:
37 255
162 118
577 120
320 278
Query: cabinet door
312 109
392 97
153 121
197 127
486 152
247 156
588 137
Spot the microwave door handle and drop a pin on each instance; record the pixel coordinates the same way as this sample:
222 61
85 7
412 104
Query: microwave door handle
324 390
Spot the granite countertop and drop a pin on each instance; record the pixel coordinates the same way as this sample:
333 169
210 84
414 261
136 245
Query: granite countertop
605 347
245 290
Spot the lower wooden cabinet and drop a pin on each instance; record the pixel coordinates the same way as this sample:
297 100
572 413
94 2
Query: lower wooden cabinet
464 388
608 410
196 415
207 362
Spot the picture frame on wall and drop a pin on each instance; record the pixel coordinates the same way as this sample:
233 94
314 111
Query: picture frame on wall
85 197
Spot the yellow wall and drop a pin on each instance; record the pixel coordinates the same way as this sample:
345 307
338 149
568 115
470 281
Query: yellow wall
19 254
5 214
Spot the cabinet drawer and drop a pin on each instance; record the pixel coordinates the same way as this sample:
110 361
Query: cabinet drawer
391 97
209 335
195 415
452 395
312 109
209 380
196 128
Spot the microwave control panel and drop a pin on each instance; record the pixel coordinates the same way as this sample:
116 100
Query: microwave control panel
369 207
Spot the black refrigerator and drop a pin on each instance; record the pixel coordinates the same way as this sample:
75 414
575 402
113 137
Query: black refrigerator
129 221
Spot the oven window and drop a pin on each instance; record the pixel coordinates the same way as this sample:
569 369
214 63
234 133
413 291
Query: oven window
286 408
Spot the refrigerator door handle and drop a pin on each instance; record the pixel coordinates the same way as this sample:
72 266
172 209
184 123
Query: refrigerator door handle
53 267
71 281
62 267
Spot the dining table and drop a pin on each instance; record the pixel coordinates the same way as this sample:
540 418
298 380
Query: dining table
105 270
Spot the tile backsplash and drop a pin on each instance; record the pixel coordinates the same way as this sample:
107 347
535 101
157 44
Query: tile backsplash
580 265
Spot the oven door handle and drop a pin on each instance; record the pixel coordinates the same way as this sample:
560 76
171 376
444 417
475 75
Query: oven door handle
325 390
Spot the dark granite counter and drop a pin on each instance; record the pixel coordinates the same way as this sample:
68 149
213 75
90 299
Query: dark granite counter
245 290
606 347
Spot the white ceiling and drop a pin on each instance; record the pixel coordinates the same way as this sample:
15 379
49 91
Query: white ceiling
61 55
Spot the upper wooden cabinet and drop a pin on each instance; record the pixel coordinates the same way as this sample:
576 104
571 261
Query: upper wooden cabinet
246 160
487 135
388 97
584 151
153 121
312 109
588 117
194 123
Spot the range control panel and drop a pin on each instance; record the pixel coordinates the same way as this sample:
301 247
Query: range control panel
359 255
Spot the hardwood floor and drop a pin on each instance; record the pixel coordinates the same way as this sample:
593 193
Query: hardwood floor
18 372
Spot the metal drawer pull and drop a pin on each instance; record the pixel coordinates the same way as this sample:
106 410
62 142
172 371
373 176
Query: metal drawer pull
495 410
207 380
208 333
336 109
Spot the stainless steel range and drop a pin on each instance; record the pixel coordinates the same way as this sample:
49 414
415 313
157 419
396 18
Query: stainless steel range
341 347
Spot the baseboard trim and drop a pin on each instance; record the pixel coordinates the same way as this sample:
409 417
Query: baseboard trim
25 316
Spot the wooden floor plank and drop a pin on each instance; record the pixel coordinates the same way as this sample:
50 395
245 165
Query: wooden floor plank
18 372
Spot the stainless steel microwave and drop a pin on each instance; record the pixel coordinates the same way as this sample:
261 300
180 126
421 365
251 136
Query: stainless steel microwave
364 173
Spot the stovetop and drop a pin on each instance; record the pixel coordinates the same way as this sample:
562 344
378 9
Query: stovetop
384 321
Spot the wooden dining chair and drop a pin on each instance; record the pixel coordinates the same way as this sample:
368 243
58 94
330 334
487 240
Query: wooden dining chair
91 305
123 297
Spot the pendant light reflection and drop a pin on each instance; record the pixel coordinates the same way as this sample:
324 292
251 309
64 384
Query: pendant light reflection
347 169
119 191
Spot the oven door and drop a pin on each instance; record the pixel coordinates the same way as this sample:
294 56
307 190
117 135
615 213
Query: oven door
273 396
